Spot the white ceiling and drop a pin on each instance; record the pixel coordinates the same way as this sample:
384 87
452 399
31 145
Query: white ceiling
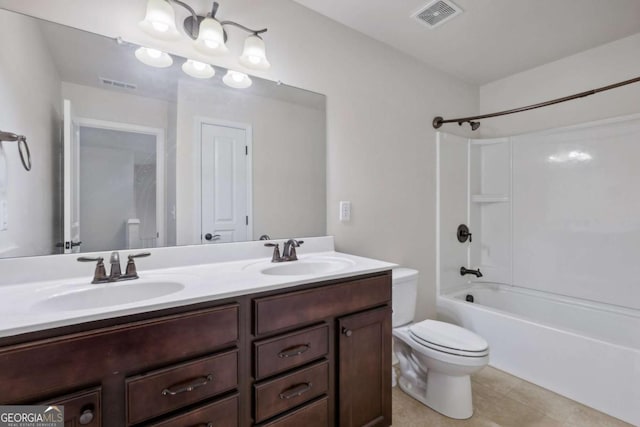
492 39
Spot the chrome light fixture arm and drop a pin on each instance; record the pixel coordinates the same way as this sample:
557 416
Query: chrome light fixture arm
191 23
242 27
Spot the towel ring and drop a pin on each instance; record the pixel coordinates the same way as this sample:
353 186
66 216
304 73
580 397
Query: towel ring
23 147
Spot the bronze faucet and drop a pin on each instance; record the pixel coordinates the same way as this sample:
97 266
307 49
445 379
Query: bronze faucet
100 273
288 252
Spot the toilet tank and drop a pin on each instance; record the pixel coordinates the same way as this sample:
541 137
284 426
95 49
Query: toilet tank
404 294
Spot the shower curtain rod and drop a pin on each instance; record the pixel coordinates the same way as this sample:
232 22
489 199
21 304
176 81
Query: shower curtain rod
439 121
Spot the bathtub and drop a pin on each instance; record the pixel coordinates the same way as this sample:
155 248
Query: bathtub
586 351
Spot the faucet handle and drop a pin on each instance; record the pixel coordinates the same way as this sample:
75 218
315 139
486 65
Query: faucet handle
276 251
100 273
140 255
131 271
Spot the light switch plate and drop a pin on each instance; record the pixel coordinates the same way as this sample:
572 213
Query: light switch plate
345 211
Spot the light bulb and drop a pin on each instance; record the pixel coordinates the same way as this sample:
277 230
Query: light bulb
211 44
211 38
160 20
254 55
154 53
153 57
236 80
160 26
198 69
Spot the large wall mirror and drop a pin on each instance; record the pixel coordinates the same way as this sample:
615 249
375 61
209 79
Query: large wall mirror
127 156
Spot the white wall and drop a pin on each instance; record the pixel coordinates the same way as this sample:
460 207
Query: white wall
601 66
29 105
380 103
288 155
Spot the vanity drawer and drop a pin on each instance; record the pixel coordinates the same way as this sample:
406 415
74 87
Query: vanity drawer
81 409
280 394
76 360
315 414
312 305
278 354
162 391
222 413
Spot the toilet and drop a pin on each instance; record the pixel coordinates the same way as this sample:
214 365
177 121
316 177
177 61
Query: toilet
436 358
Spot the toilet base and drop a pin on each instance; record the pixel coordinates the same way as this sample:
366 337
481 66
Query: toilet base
451 395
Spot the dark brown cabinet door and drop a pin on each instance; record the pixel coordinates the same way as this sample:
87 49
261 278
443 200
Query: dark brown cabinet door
81 409
364 369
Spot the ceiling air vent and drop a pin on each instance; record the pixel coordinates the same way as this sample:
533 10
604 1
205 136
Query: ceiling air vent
437 13
118 84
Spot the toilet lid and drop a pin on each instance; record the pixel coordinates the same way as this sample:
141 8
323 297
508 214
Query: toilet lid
445 336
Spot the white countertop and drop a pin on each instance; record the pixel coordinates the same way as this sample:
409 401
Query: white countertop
25 306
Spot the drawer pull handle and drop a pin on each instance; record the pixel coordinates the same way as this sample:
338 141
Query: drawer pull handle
187 386
294 351
296 390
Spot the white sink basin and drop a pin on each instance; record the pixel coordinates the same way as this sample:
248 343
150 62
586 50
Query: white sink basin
308 266
109 294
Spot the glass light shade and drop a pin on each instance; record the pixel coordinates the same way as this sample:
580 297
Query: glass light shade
153 57
198 69
236 80
160 20
254 55
211 38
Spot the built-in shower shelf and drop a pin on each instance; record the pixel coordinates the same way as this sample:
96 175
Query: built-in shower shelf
489 198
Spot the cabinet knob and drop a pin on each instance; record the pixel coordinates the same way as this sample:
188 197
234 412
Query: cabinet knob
86 417
347 332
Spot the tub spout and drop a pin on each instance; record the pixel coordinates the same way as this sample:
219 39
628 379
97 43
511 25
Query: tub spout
464 271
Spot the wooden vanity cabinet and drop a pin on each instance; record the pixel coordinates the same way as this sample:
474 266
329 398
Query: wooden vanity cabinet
355 317
316 355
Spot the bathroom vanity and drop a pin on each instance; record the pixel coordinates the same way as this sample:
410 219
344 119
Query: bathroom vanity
315 353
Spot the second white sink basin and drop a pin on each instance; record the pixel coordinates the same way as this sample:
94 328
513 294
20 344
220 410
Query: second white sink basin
109 294
308 266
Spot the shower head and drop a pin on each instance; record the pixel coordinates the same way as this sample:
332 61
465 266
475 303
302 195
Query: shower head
474 125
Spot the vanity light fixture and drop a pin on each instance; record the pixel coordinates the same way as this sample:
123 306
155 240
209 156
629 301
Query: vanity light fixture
160 20
198 69
208 32
254 53
236 80
153 57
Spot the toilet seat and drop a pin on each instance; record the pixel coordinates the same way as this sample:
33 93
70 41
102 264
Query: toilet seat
448 338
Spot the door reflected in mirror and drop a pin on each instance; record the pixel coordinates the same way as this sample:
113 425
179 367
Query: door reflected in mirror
130 156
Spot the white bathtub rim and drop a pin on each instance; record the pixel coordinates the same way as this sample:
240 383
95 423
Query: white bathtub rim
557 298
506 314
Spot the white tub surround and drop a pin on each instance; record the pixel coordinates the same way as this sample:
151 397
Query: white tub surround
586 351
41 292
555 222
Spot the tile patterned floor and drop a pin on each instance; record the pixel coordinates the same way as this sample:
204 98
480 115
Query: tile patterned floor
502 400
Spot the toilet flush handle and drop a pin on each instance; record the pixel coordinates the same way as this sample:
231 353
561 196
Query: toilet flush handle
347 332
